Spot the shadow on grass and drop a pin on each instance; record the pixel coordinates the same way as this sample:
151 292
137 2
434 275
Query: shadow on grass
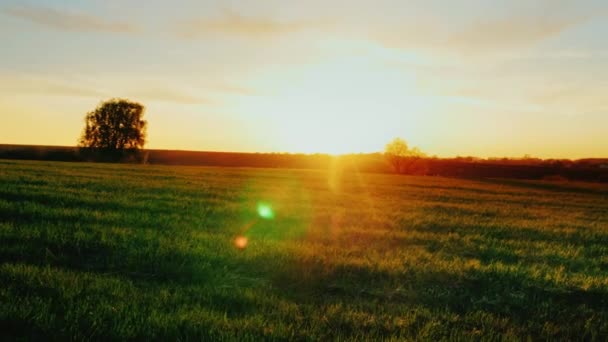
588 188
492 230
55 201
34 210
511 244
527 303
522 201
457 189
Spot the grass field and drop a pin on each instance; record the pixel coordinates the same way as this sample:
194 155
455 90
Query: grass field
95 251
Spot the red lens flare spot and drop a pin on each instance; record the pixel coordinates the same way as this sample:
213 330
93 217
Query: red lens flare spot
240 242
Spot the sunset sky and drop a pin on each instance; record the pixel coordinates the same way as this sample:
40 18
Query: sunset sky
483 78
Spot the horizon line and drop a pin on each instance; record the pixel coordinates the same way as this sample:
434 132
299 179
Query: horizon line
325 153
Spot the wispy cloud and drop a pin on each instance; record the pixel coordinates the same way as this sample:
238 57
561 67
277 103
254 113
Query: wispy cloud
512 32
53 86
572 99
165 94
38 85
233 89
480 36
233 23
69 20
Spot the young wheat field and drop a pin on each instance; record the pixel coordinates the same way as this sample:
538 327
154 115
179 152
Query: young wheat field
101 251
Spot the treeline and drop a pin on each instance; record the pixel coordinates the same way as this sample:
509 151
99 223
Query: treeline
550 170
595 170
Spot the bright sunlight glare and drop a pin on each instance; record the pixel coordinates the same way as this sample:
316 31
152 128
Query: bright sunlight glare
337 102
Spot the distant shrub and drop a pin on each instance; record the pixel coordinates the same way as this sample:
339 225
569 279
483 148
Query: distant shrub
400 156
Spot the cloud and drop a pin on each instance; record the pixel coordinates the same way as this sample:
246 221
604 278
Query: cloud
21 84
476 28
233 89
165 94
482 36
511 32
69 20
572 99
233 23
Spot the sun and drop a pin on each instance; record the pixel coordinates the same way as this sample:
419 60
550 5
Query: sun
343 105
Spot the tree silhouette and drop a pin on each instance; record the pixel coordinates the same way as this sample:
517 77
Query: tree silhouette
400 156
115 126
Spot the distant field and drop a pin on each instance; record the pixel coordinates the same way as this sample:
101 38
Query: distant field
99 251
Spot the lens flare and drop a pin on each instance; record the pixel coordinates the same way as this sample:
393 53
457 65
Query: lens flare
265 211
240 242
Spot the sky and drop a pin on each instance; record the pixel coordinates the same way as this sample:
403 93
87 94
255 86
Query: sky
469 77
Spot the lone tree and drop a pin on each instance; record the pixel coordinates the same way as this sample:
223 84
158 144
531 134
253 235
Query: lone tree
115 127
400 156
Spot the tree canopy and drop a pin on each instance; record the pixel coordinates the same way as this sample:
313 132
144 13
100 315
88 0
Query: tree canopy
400 155
115 125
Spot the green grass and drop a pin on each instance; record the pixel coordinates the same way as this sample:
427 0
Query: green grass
94 251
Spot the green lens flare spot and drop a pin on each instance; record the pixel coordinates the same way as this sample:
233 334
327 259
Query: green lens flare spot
265 211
